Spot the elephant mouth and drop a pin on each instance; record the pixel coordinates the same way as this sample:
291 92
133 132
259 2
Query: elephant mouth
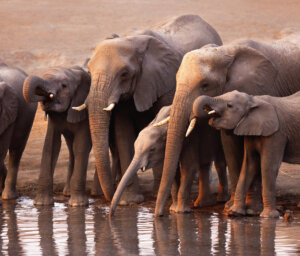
213 114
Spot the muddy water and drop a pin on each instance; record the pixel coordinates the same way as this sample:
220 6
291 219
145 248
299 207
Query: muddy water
61 230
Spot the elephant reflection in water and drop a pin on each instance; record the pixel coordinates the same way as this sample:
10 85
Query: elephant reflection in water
204 235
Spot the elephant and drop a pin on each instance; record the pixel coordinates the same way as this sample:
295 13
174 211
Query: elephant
16 118
270 129
149 150
246 65
133 76
58 89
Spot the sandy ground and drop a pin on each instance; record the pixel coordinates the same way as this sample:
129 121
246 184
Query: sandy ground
37 34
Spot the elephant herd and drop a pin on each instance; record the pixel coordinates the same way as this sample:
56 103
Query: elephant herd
172 98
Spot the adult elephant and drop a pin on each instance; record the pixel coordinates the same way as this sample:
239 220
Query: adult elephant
132 78
16 118
248 66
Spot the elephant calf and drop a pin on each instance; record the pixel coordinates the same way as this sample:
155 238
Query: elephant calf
16 118
270 126
149 152
58 90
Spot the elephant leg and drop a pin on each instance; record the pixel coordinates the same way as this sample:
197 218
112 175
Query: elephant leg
233 149
125 136
69 142
254 204
157 172
81 149
96 187
204 196
3 173
49 158
271 158
249 171
220 164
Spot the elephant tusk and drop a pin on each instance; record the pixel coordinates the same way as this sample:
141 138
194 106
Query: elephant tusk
191 127
161 123
144 169
79 108
212 112
51 95
110 107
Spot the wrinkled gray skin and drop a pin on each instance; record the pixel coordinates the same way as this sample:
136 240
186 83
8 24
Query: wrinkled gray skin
270 126
16 118
149 152
137 73
249 66
68 87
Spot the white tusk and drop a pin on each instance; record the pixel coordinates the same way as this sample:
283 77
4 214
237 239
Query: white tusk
212 112
144 168
110 107
79 108
191 127
161 123
51 95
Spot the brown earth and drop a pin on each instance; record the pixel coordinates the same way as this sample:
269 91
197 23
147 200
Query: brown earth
37 34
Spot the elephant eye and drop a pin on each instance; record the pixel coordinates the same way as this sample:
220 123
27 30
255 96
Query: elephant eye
124 74
64 86
204 86
229 105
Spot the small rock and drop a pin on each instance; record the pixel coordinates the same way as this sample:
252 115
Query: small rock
288 215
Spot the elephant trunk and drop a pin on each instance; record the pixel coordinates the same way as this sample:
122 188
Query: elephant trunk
179 118
99 120
205 106
34 89
134 166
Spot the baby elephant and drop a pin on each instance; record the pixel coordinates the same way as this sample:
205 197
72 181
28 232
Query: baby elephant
58 90
270 127
16 118
149 152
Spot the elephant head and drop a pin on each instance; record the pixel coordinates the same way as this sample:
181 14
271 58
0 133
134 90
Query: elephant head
58 90
244 114
211 70
141 68
149 150
8 106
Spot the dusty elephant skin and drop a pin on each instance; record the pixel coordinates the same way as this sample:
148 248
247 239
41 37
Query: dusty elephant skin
270 126
249 66
16 118
132 78
58 89
149 152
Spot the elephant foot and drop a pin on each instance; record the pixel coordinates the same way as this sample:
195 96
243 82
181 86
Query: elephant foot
183 208
254 208
8 194
129 198
228 205
268 213
43 199
202 202
223 197
66 191
236 211
96 190
173 207
78 200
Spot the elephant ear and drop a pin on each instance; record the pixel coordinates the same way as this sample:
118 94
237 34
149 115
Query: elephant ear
159 64
8 106
80 91
260 120
249 68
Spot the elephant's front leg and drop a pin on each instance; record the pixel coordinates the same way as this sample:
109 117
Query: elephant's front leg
233 150
81 148
157 172
125 136
69 141
49 158
271 158
249 170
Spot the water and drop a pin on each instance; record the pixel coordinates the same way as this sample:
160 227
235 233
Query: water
62 230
